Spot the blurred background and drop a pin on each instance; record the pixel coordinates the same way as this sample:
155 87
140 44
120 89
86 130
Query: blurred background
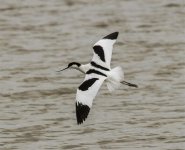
37 105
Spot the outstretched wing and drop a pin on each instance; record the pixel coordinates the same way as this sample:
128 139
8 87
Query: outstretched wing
86 92
103 50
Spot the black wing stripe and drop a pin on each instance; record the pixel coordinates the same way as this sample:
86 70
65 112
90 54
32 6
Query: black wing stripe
98 66
99 51
96 72
86 84
112 36
82 112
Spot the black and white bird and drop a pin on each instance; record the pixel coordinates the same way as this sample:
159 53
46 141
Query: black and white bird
96 72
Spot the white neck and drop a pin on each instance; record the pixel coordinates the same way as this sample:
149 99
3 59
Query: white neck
84 68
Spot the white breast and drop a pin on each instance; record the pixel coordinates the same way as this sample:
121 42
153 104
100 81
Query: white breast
85 68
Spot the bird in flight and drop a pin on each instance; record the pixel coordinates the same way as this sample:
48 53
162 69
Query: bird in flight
96 72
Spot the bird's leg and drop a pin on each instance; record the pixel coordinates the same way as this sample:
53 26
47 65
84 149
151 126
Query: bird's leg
129 84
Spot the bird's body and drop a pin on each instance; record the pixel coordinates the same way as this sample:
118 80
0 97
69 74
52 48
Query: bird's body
114 75
97 71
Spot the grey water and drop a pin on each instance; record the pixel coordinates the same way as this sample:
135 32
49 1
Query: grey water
37 104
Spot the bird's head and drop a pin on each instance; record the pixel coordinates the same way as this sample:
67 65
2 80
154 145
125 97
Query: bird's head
74 65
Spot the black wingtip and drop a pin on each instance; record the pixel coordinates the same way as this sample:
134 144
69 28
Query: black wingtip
82 112
112 36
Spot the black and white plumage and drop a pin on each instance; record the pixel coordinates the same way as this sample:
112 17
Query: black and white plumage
96 72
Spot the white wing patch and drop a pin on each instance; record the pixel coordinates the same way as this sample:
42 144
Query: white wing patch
85 95
103 50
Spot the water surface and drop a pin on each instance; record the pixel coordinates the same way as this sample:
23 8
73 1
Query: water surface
37 104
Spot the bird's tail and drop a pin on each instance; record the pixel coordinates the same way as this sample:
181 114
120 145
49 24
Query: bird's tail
115 77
